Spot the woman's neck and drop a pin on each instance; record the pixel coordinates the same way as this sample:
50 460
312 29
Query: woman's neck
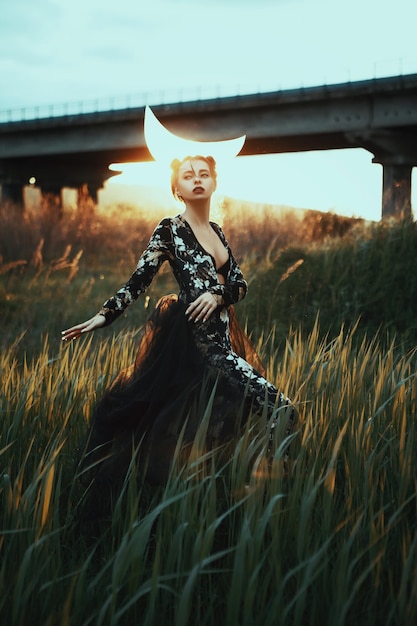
199 214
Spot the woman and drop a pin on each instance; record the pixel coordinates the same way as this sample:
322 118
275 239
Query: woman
192 345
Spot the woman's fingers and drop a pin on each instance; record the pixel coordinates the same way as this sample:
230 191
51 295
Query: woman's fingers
202 307
76 331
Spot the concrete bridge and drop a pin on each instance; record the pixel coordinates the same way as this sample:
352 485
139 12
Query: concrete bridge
75 151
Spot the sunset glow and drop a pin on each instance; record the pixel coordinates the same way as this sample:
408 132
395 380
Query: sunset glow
343 181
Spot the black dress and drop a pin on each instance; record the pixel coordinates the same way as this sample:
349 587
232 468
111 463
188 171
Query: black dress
179 365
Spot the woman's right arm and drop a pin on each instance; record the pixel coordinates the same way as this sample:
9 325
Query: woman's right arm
85 327
156 252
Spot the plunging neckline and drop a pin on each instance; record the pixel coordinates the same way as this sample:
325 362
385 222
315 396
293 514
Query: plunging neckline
203 248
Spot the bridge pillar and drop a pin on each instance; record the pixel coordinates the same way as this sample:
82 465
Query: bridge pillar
55 190
396 151
396 190
87 193
12 192
93 190
52 197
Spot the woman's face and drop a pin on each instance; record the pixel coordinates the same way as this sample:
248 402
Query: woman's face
195 180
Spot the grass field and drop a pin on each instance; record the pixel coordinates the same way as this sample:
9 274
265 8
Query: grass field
330 540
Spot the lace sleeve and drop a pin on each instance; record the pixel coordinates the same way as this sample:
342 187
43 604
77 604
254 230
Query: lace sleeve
156 252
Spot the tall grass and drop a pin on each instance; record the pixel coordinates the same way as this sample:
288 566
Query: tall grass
345 270
366 275
329 539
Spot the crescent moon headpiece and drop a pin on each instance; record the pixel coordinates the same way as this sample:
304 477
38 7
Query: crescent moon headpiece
166 146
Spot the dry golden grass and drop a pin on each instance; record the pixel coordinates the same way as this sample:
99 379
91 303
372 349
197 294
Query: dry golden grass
330 541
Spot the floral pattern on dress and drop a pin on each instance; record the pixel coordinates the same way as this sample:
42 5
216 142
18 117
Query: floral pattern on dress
194 269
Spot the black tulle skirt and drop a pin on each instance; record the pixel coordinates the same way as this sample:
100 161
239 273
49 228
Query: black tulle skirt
158 404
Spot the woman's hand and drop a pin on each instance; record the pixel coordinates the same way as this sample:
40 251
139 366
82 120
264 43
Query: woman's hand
73 333
202 307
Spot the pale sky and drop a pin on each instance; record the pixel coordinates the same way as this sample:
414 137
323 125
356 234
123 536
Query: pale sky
56 51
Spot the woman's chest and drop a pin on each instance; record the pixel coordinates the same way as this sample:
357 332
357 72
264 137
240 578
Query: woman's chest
191 261
210 243
201 246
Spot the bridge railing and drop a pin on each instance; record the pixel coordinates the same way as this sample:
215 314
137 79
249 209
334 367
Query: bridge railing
396 67
115 103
